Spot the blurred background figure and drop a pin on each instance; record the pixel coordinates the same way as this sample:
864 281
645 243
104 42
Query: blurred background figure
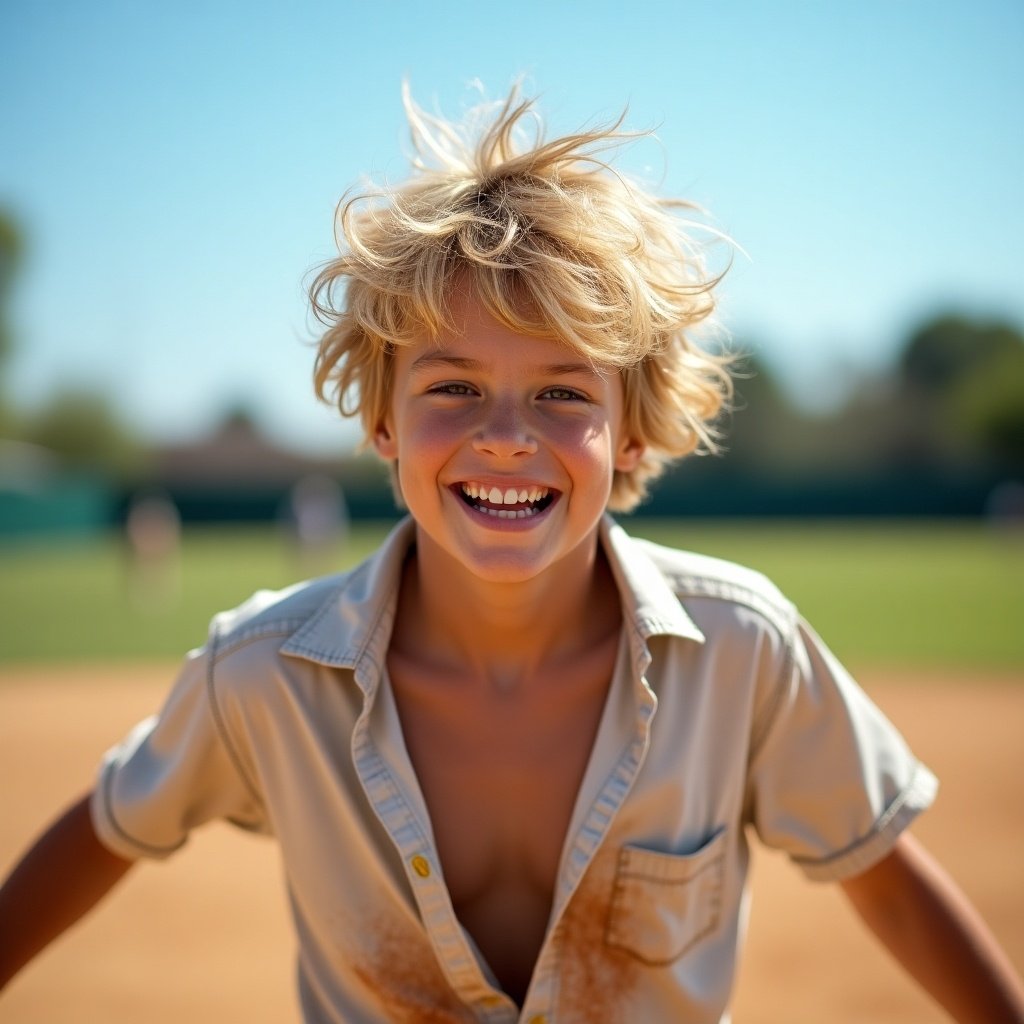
317 521
152 531
1005 509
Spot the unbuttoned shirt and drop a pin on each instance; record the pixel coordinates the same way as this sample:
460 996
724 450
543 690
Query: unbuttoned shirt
725 715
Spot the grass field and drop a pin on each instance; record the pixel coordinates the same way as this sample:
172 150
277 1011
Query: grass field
947 595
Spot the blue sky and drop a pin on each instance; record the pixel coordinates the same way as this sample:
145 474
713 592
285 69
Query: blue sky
175 169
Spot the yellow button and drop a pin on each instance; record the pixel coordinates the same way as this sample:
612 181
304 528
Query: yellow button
538 1018
421 866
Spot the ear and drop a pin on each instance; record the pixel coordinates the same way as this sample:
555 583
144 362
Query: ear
384 441
628 454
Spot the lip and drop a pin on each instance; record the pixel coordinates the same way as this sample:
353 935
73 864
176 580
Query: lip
497 522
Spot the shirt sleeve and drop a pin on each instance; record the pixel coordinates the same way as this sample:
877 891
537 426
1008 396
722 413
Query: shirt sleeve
173 772
832 782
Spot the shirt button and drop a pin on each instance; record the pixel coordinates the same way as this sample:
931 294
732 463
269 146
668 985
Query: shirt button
538 1018
421 866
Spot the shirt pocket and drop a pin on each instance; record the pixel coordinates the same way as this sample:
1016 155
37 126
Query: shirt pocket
663 904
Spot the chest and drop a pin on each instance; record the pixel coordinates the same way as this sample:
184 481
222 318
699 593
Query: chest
500 771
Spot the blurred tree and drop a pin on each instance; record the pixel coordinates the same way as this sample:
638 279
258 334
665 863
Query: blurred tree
941 352
763 427
958 393
953 400
989 407
11 250
83 430
240 415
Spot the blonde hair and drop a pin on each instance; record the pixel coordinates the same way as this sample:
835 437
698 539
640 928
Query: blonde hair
555 243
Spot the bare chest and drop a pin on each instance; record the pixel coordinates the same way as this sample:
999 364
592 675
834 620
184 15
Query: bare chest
500 772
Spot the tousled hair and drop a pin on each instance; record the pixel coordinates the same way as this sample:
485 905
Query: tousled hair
555 243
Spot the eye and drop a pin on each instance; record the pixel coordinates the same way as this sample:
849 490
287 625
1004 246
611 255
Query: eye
561 394
450 388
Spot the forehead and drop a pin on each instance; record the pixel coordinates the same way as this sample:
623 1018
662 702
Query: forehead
476 340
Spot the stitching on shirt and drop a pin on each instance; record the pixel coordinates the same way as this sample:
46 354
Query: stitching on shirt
108 806
625 872
878 827
713 903
350 655
219 721
778 614
311 621
247 634
762 724
360 653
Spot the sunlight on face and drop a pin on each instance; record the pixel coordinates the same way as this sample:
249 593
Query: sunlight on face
506 444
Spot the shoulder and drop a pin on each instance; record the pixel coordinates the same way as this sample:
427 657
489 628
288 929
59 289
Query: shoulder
245 664
273 613
729 631
336 621
717 591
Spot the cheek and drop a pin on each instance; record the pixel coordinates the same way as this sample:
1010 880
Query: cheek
590 436
586 444
426 444
432 430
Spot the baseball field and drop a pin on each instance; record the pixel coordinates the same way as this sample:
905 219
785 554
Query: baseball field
931 619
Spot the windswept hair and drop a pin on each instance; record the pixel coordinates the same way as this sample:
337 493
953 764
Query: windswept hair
556 244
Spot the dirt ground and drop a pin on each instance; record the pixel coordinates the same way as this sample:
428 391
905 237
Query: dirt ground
205 937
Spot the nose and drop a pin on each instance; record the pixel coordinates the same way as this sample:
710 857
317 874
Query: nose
504 432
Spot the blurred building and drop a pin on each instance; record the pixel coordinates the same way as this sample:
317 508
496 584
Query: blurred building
238 474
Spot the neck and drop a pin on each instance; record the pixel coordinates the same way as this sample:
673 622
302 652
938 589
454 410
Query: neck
504 632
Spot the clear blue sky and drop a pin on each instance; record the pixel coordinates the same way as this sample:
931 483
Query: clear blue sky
175 169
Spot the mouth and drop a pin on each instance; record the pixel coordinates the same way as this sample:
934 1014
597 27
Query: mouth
521 502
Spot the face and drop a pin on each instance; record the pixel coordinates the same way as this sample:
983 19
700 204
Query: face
506 446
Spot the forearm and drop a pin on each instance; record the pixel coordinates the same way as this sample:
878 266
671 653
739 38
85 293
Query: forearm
930 927
61 877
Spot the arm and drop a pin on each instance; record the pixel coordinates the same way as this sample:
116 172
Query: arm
61 877
917 911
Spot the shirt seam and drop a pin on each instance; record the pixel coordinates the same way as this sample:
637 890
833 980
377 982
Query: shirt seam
239 637
779 614
122 833
217 714
763 720
879 827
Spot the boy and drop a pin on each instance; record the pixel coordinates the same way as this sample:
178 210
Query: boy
511 758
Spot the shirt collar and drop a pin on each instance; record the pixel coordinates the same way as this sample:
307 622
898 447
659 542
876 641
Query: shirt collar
351 629
647 599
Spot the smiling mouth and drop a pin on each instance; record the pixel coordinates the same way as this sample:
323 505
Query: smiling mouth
506 503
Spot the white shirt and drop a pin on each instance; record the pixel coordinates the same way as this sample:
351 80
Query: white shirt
725 712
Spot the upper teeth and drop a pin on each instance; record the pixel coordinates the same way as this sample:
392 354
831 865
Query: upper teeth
510 496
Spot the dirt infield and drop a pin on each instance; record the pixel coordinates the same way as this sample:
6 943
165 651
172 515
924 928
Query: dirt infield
205 937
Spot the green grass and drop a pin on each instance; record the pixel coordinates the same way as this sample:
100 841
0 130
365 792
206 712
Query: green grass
901 593
73 601
906 594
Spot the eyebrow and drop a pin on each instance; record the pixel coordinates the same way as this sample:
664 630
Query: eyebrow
431 359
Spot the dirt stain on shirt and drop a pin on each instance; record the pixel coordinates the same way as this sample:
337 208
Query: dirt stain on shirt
401 969
595 979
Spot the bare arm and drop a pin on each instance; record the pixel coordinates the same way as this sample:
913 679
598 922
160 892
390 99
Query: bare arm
930 927
61 877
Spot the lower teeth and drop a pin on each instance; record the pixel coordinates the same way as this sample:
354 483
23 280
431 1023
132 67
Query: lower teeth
508 513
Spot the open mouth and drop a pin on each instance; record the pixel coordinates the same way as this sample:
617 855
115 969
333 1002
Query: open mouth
506 503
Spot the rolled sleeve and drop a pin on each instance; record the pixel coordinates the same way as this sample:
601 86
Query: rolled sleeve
172 773
833 783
